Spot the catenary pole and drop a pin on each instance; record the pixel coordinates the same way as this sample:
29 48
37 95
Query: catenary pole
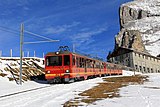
21 52
28 54
11 53
74 48
34 53
0 53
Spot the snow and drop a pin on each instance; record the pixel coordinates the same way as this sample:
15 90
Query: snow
149 28
130 73
8 63
146 95
150 6
54 95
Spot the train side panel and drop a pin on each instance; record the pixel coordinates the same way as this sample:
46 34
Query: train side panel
70 66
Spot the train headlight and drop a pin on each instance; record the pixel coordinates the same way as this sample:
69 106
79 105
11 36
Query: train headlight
48 72
67 71
57 52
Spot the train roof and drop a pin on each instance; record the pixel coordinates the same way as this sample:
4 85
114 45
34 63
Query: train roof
59 53
68 52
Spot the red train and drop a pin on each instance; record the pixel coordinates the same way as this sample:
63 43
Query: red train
66 66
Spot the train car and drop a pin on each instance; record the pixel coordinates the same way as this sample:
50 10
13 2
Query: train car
66 66
113 69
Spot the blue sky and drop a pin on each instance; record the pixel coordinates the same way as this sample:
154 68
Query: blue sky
89 24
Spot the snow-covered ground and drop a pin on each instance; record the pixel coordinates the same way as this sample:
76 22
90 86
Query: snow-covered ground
53 96
146 95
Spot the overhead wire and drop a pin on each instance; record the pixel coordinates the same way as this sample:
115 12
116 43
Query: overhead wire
34 34
9 30
90 54
40 42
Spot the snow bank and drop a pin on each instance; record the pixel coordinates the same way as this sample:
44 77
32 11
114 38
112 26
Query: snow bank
130 73
9 67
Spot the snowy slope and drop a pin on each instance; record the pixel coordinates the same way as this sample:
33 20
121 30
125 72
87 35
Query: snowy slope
9 67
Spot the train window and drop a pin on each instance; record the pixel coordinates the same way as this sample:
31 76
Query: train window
54 61
66 60
77 61
73 57
102 65
88 63
82 62
97 64
91 64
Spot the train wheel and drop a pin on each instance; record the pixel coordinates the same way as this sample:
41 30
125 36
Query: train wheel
94 76
81 78
71 80
65 80
50 82
103 75
90 77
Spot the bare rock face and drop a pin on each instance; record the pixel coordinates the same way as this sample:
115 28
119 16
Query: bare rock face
140 26
128 14
130 39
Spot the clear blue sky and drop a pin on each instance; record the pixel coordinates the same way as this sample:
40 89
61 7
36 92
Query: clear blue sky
89 24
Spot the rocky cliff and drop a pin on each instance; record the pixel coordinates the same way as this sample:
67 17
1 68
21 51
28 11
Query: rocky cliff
140 26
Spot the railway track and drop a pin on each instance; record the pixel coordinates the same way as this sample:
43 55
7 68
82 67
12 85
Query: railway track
20 92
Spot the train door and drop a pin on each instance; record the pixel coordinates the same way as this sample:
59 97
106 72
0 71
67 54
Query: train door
85 65
94 67
85 69
66 63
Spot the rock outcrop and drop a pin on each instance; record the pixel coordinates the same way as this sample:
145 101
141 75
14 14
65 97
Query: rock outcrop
9 68
130 39
140 26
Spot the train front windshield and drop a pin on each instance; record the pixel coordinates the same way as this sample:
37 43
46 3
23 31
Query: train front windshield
54 61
